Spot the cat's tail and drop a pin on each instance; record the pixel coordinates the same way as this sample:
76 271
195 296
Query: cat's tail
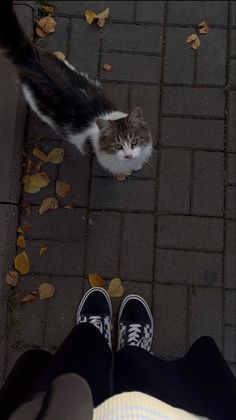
12 38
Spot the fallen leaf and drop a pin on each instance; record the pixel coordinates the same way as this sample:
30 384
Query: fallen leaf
27 207
29 165
49 203
45 26
19 230
41 155
42 250
69 207
203 28
56 155
59 55
48 8
12 278
21 262
195 41
21 241
90 16
115 288
102 17
28 298
62 188
33 183
26 227
122 177
96 281
107 67
46 290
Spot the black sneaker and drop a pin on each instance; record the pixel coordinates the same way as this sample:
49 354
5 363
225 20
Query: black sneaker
135 323
95 308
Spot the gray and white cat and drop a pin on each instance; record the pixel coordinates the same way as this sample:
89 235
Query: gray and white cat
73 104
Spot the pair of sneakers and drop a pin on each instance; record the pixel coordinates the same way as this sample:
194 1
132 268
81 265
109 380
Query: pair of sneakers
135 322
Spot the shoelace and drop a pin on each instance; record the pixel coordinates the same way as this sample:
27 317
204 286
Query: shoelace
96 321
133 334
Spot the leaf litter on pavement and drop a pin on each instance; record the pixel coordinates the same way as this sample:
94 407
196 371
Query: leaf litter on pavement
193 39
114 289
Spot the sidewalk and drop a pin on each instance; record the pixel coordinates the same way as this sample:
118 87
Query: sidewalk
169 231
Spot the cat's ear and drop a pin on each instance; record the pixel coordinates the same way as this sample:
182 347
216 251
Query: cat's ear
136 114
105 126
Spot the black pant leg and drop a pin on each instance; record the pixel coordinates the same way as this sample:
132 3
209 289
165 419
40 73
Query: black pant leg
85 352
20 380
201 382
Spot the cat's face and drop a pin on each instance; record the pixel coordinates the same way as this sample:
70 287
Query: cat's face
126 137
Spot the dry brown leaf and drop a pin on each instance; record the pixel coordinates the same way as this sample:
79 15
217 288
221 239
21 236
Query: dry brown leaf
56 155
42 250
33 183
19 230
12 278
195 41
122 177
45 26
21 262
107 67
20 242
29 165
27 207
115 288
46 290
49 203
25 228
62 188
102 17
69 207
60 55
96 281
203 28
41 155
48 8
90 16
28 298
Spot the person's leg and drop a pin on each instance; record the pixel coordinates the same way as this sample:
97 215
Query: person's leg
20 380
86 351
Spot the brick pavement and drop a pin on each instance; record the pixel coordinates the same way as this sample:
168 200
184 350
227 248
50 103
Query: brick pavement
169 231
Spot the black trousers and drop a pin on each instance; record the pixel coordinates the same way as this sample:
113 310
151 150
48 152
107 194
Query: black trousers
200 382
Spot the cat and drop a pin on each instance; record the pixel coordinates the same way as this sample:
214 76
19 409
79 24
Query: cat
73 104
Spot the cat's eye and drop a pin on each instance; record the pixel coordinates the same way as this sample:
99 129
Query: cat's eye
134 142
118 146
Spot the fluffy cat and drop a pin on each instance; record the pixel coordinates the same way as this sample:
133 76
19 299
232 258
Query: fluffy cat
73 104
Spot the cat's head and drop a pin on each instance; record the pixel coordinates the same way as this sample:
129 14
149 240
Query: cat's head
126 137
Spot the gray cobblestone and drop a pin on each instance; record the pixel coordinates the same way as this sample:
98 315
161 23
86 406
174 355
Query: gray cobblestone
192 12
58 40
230 251
233 43
230 307
230 343
118 94
231 164
151 11
233 73
230 205
232 122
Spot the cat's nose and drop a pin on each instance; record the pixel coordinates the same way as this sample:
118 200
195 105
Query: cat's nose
128 156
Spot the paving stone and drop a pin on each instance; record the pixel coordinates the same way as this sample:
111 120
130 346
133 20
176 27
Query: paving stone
230 343
231 165
232 14
178 70
187 267
205 314
118 94
233 43
49 191
132 38
193 101
189 232
230 252
24 15
46 146
230 205
38 129
193 133
62 308
57 41
211 58
232 75
103 243
232 367
45 226
151 12
119 10
85 45
208 200
232 122
192 12
173 191
137 247
13 354
230 307
170 311
61 258
132 194
135 68
147 97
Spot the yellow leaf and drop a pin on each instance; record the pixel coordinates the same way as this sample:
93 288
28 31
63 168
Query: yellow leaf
46 290
29 165
96 281
12 278
56 155
21 262
28 298
19 230
33 183
48 8
90 16
102 17
49 203
69 207
115 288
203 28
62 188
26 227
195 41
59 55
45 26
122 177
42 249
41 155
21 241
107 67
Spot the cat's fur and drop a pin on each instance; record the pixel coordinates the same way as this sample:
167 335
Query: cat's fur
73 104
